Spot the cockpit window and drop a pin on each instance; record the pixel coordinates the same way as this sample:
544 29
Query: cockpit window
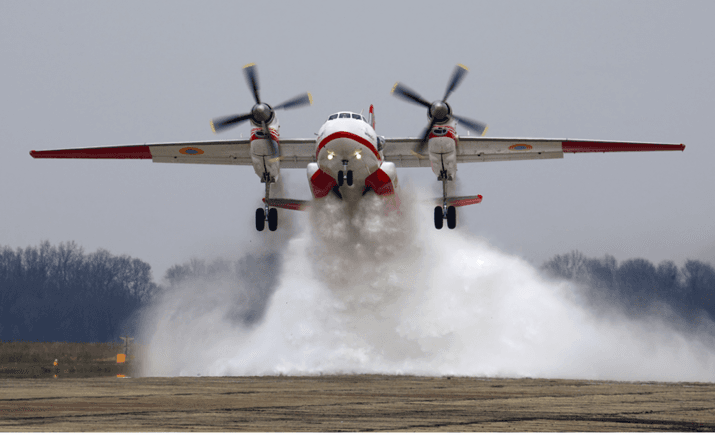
332 117
345 115
363 118
356 116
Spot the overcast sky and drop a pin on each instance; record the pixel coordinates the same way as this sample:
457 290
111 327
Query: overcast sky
78 74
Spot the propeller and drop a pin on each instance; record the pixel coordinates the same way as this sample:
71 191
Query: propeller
438 111
261 113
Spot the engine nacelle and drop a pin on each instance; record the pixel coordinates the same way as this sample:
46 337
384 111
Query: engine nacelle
263 158
442 145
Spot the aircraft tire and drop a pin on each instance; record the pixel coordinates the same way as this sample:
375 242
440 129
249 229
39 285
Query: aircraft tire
273 219
451 217
340 178
438 219
350 178
260 219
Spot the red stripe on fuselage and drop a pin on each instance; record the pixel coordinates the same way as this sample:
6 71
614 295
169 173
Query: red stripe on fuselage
346 134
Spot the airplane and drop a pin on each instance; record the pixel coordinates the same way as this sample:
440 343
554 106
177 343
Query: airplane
348 159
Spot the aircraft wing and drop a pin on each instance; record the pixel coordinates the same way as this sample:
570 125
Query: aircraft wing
295 153
487 149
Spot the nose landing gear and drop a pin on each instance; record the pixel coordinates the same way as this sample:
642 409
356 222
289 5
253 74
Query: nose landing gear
345 175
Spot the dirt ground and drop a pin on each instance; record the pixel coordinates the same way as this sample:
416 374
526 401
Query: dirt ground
351 403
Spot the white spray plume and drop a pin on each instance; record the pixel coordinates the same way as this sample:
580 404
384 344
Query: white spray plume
362 291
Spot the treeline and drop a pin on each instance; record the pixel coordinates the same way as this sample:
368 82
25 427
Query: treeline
59 293
637 285
252 280
64 352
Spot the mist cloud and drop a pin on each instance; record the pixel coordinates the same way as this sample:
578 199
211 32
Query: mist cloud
359 290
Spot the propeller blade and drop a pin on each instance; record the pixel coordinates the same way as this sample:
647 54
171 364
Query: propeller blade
301 100
226 122
402 91
252 79
459 72
419 149
274 144
477 126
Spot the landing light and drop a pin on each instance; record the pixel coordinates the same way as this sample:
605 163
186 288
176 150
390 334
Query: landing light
358 155
330 156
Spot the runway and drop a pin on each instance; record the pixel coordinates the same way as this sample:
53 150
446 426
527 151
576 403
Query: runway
352 403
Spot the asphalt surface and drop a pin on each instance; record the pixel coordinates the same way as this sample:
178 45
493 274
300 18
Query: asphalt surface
351 403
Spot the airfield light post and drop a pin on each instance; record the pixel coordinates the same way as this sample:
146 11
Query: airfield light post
126 339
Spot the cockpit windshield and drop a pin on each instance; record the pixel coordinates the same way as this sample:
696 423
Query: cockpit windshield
347 115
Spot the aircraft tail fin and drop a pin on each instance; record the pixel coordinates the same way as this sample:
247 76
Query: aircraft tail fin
372 116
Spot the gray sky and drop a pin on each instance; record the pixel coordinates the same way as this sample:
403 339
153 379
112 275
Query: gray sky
77 74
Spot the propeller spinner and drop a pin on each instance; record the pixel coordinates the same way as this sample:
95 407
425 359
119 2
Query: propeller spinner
261 113
438 111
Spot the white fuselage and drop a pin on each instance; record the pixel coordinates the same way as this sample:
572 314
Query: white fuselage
348 143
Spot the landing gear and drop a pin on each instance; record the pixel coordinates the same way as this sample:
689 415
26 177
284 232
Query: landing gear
443 212
273 219
260 219
451 217
438 218
345 178
267 214
345 175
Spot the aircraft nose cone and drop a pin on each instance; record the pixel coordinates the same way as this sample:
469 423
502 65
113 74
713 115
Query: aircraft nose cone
261 112
439 110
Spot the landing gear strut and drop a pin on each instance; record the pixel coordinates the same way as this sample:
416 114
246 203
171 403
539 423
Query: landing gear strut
443 212
267 214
